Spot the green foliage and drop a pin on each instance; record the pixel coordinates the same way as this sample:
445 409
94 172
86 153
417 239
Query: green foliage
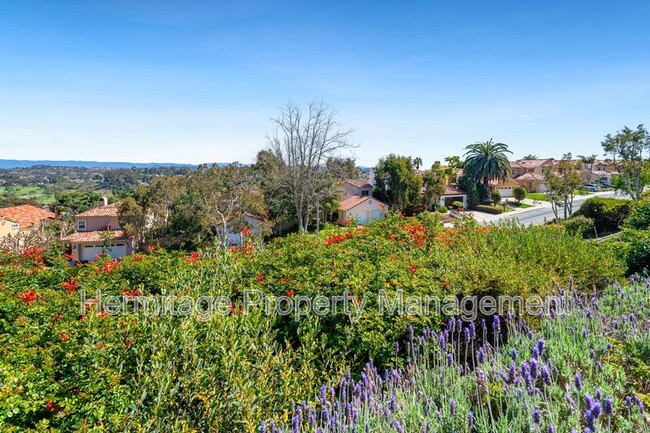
488 209
468 185
630 148
640 217
485 161
396 182
442 209
608 214
457 204
496 197
223 372
634 247
519 193
579 225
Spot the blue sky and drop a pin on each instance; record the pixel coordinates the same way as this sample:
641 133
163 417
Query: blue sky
192 81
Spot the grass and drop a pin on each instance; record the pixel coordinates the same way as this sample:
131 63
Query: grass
32 192
541 196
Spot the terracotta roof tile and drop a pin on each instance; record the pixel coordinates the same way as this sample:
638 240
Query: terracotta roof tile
110 210
356 200
359 183
453 190
26 215
94 236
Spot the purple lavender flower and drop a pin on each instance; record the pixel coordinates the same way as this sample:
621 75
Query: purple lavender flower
628 401
536 415
569 400
472 329
597 409
481 355
513 354
467 334
397 426
589 417
450 359
470 420
589 401
578 381
599 394
533 367
263 427
592 353
452 406
496 324
546 376
585 333
535 353
550 428
540 346
609 406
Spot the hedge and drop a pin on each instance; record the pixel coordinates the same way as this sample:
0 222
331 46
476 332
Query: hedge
608 213
488 209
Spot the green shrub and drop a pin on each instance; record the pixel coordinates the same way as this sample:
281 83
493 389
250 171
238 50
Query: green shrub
640 217
634 247
579 225
496 197
608 214
457 204
489 209
519 193
441 209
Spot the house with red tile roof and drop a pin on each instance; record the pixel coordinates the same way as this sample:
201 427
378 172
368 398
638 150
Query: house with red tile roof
99 232
22 219
453 194
361 209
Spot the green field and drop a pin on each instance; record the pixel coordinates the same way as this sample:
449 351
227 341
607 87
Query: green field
36 193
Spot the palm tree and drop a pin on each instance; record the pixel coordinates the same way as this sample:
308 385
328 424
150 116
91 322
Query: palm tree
417 162
588 161
486 161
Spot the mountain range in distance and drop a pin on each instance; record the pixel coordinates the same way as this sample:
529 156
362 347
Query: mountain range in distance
17 163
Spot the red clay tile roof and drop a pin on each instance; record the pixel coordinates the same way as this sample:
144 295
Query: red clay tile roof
96 236
453 190
26 215
530 163
356 200
359 183
110 210
530 176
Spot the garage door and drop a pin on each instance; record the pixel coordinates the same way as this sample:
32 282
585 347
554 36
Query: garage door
362 217
89 252
376 214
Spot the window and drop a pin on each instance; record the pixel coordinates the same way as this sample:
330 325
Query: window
14 226
81 225
364 192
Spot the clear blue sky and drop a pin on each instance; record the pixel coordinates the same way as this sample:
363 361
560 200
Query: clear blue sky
193 81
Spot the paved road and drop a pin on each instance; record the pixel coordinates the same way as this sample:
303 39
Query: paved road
540 214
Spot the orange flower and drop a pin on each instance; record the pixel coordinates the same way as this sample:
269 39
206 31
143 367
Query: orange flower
412 268
246 231
285 280
259 278
151 249
290 293
70 286
64 336
446 284
194 256
29 296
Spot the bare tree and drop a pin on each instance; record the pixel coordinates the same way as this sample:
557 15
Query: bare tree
303 140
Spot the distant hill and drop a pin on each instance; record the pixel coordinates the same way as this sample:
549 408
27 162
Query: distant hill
15 163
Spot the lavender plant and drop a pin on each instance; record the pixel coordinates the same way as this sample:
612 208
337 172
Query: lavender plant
566 375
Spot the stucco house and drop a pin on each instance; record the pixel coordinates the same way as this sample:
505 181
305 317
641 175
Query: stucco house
452 194
99 232
360 187
23 219
361 209
505 187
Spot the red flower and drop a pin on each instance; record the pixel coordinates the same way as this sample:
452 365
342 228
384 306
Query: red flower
110 265
246 231
130 293
285 280
52 407
102 314
259 278
391 237
29 296
412 268
82 318
70 286
194 256
290 293
138 257
68 256
128 343
446 284
151 249
64 336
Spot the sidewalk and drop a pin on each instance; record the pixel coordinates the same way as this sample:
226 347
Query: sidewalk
486 218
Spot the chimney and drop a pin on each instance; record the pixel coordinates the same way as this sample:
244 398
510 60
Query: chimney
103 202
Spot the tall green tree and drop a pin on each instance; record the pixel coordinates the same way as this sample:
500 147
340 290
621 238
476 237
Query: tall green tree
588 161
397 183
629 149
486 161
434 182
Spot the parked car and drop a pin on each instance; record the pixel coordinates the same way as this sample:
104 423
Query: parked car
592 187
605 184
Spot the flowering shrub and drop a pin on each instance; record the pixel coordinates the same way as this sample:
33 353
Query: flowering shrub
568 376
68 367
